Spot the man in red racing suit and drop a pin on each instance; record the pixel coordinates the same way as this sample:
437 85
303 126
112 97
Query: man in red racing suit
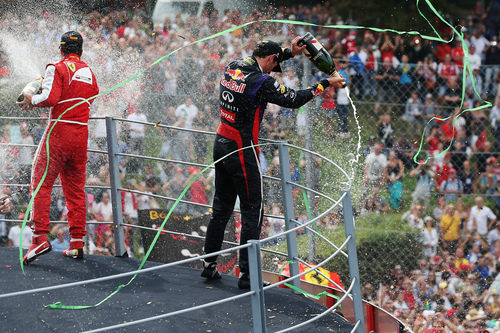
66 83
245 90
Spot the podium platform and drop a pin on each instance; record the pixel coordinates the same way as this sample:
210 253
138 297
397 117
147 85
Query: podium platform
150 294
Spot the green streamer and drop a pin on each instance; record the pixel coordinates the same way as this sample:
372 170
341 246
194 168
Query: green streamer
487 104
466 69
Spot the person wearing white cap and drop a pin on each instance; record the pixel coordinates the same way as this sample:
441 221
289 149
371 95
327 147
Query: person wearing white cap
430 237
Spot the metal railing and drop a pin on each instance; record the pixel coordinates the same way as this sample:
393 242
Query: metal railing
257 290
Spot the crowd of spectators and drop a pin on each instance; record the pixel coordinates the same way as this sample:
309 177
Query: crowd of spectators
456 283
403 81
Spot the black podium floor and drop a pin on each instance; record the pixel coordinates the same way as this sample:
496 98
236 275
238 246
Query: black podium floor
148 295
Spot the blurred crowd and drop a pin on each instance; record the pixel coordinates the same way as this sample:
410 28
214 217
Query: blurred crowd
455 287
401 82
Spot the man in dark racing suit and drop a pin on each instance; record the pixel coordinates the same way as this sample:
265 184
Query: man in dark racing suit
245 90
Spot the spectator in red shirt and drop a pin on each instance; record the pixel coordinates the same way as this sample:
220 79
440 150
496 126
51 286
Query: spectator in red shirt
446 70
349 43
408 296
448 131
442 50
457 55
370 73
442 170
387 47
433 139
4 69
328 106
121 31
197 191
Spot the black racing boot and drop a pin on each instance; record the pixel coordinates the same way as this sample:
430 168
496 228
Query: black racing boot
210 271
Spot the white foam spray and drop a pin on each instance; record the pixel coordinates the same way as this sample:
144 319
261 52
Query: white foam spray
354 158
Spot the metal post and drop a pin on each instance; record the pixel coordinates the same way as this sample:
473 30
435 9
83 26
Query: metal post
256 285
286 189
353 261
307 82
116 200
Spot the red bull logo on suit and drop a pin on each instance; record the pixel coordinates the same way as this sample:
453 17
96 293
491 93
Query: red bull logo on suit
232 85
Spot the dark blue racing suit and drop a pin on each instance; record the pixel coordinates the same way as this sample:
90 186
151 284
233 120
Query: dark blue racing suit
244 94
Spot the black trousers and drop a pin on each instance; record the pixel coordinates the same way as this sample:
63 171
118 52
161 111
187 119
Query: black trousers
239 175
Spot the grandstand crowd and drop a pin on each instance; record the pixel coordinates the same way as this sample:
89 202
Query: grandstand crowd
402 82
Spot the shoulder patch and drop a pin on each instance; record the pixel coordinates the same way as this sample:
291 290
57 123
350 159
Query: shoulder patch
71 66
276 84
282 89
249 60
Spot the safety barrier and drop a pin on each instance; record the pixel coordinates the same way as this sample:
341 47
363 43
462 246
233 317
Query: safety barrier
254 247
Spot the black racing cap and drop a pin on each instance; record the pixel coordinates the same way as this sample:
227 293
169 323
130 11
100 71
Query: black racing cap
71 39
267 47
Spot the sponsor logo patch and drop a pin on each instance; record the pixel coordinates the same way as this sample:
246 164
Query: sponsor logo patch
236 74
319 89
233 85
71 66
249 61
229 116
227 96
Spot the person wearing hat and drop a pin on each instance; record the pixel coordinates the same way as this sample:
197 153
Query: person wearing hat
429 108
452 187
430 237
245 90
475 314
67 86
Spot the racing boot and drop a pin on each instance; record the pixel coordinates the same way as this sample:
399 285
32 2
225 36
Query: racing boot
210 271
244 281
75 249
39 245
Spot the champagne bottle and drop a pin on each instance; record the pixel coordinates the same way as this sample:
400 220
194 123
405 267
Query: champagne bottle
32 88
319 56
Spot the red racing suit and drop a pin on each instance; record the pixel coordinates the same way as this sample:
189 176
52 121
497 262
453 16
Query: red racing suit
66 83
